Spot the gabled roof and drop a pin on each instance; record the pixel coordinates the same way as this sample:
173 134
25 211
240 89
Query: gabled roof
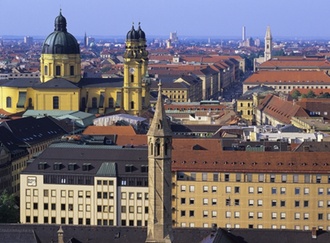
280 109
101 82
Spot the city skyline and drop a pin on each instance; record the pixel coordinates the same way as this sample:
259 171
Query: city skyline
199 19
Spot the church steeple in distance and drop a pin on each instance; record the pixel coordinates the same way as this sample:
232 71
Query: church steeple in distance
159 176
268 44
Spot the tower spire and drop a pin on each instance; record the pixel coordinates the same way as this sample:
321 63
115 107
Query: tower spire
159 176
268 44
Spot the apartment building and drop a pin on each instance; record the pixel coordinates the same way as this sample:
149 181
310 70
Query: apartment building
277 190
86 185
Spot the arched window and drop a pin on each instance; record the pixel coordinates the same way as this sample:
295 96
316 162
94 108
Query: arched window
132 78
111 103
94 102
58 70
56 102
8 102
132 104
157 147
46 70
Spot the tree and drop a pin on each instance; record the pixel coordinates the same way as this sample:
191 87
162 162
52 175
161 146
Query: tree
295 94
9 211
324 95
310 94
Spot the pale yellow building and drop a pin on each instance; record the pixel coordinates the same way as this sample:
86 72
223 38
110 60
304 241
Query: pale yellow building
95 190
61 86
274 190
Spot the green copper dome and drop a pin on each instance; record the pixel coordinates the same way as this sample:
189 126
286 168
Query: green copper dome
60 41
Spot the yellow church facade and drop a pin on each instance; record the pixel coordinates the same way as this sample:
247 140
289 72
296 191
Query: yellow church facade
61 86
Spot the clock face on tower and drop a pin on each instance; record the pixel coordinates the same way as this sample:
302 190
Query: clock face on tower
131 70
32 181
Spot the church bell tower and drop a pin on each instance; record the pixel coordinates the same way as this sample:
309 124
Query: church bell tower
135 69
268 44
159 176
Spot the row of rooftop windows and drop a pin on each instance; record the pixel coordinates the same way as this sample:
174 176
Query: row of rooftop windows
249 177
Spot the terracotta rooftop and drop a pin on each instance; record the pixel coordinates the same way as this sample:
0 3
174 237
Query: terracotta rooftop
109 130
280 109
278 77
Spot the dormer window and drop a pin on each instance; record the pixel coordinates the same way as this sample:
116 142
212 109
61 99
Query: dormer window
72 166
42 165
57 166
86 166
144 168
129 168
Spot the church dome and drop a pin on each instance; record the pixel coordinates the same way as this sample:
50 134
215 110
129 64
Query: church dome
60 41
132 34
142 35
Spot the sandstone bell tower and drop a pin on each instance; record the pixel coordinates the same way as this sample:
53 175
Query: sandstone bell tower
159 176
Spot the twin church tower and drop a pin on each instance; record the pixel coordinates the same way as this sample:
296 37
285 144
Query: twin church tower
61 86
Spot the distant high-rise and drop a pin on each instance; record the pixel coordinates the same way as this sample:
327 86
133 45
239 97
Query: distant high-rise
174 36
28 40
268 44
243 33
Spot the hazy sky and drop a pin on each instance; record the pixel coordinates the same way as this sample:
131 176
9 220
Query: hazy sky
208 18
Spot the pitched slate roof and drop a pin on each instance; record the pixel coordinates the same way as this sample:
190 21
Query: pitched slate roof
21 82
56 83
101 82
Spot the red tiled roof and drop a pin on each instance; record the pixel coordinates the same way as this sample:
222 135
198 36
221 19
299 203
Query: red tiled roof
286 77
109 130
281 109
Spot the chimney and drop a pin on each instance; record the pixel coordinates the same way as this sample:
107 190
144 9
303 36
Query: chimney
314 233
60 237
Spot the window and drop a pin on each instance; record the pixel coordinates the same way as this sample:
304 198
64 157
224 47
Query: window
249 177
274 215
192 188
320 216
45 193
71 70
273 203
63 207
320 204
131 209
284 178
236 214
228 202
251 202
297 191
259 202
204 176
236 189
55 102
183 213
215 176
251 189
283 215
306 190
46 70
191 201
251 215
28 205
193 176
191 213
45 206
259 215
205 201
283 190
320 191
259 190
295 179
205 188
261 178
318 178
58 70
8 102
282 203
306 203
228 189
226 177
297 203
273 190
205 213
228 214
272 178
214 201
236 202
53 206
307 178
35 205
214 189
131 195
214 214
238 177
183 188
